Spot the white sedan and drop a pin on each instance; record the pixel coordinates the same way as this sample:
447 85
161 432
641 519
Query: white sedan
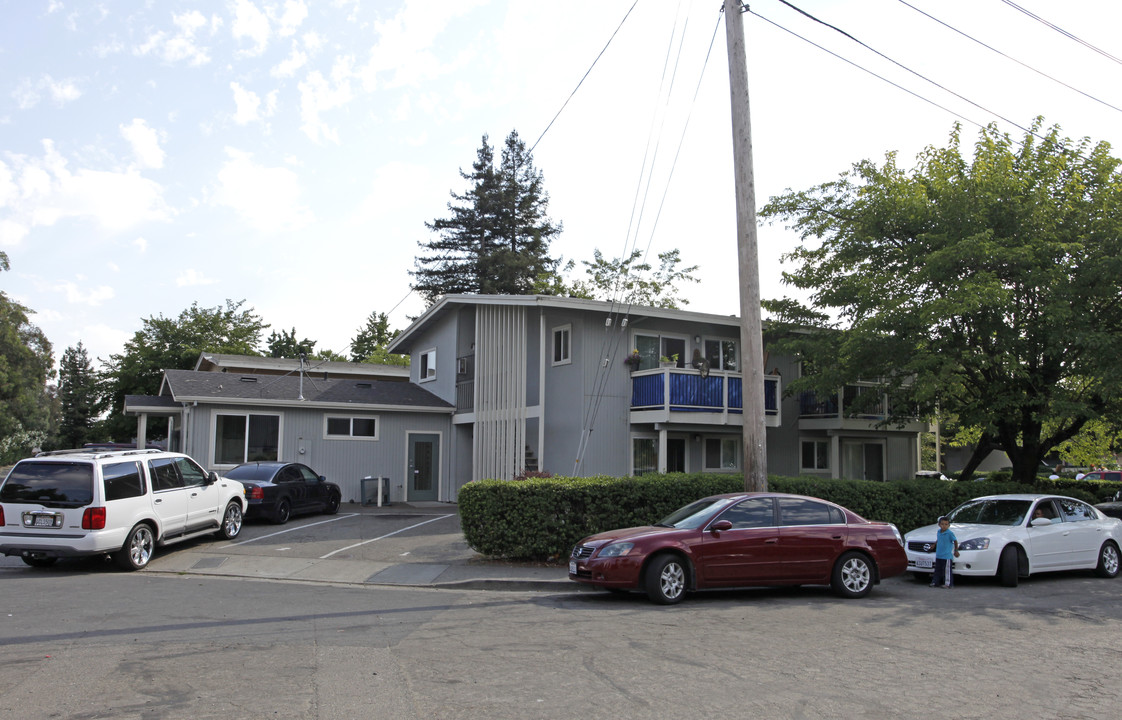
1014 536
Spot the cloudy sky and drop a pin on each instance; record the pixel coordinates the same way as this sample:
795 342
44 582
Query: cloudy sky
288 153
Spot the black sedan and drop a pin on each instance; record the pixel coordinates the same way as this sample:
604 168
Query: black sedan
279 490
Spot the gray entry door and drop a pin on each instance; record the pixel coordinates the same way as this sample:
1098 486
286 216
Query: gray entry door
424 459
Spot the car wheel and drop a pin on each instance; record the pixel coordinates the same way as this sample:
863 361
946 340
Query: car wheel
231 521
282 513
666 580
137 550
39 562
332 504
1007 571
853 576
1108 561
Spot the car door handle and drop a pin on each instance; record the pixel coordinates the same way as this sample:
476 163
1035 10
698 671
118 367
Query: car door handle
158 500
771 541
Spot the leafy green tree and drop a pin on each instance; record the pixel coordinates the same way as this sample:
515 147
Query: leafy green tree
175 343
496 240
987 288
285 345
26 364
632 282
79 393
369 343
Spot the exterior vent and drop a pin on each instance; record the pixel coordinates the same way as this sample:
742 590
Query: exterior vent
246 378
364 385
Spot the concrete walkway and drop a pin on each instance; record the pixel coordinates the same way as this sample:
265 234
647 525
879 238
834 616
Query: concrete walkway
446 560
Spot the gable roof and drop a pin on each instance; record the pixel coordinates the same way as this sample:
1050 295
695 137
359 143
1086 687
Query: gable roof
221 362
183 386
404 340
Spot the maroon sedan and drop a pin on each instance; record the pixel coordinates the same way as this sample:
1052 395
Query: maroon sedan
741 540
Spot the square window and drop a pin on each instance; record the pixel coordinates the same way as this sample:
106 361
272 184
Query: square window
815 455
428 365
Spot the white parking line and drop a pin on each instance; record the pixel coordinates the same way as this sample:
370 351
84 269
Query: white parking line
292 529
395 532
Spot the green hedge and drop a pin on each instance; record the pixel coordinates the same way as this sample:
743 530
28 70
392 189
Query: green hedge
542 518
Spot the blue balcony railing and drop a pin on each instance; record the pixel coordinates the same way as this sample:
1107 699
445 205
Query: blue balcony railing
686 391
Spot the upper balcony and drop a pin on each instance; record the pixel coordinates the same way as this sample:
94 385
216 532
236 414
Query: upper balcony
844 411
682 395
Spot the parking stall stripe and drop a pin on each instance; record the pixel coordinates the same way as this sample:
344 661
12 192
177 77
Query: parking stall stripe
395 532
293 529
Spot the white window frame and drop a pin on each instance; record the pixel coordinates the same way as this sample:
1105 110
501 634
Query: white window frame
721 340
631 450
566 334
246 415
351 418
427 362
683 358
814 441
736 453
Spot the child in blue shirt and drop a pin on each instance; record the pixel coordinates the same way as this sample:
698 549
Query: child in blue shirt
946 548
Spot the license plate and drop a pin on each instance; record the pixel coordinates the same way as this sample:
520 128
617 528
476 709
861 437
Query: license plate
572 567
44 521
925 562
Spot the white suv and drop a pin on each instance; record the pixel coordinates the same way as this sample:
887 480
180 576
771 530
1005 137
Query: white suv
124 503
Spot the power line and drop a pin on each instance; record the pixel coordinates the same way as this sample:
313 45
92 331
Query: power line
574 92
1008 57
1060 30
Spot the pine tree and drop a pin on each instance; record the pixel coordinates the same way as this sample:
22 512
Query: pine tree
496 240
79 397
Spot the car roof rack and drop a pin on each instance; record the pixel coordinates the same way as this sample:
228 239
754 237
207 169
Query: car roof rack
97 453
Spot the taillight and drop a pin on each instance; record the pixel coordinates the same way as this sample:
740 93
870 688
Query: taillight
93 518
255 493
1 516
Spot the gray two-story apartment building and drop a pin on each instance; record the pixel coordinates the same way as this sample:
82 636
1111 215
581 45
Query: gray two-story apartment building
502 385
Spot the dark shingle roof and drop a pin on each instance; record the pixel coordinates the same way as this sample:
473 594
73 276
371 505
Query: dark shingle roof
193 385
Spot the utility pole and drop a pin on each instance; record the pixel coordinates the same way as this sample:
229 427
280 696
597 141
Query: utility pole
751 327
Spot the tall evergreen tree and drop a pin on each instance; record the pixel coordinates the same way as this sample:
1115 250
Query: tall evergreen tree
369 343
285 345
496 240
79 397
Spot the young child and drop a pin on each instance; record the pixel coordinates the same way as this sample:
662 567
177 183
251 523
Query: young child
946 548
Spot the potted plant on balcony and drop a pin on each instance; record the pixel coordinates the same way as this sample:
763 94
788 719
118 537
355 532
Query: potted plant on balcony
633 360
668 362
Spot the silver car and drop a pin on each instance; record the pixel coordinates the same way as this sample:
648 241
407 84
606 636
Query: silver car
1014 536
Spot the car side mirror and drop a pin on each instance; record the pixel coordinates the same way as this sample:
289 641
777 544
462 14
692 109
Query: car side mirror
720 526
211 478
1040 522
323 478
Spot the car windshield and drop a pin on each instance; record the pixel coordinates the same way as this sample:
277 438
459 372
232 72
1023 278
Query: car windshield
693 515
53 484
252 472
991 512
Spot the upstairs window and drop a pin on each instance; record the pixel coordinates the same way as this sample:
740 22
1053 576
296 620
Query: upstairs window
562 344
721 355
428 365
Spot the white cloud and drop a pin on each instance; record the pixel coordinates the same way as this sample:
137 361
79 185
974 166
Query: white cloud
289 66
267 198
181 46
40 191
191 277
141 244
319 95
295 12
252 23
145 142
247 103
28 93
86 296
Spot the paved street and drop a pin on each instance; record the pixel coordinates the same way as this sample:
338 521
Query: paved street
82 640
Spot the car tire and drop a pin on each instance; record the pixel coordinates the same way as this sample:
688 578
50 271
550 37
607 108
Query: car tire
137 551
231 521
1007 571
853 576
1109 561
665 580
39 562
332 506
282 513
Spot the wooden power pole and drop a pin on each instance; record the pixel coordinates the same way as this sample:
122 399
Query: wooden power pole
751 328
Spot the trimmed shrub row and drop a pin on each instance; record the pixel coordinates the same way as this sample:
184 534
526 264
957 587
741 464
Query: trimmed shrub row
542 518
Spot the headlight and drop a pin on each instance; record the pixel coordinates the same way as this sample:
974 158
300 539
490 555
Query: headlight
975 544
616 549
899 537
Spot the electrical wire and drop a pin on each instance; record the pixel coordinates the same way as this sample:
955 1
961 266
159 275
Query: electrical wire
1060 30
586 73
1008 57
